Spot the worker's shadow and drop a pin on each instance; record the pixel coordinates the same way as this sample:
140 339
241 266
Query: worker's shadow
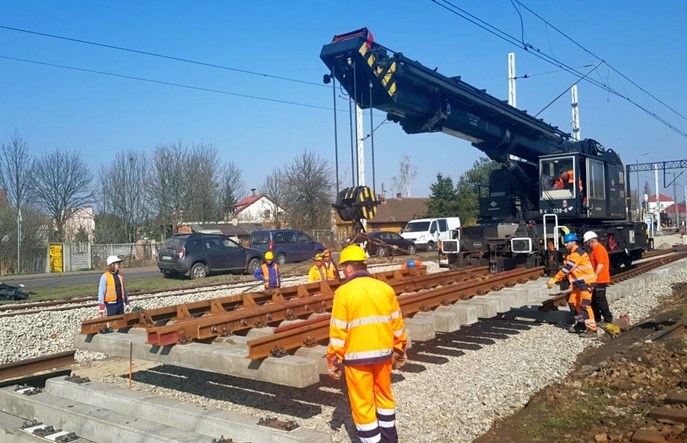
341 416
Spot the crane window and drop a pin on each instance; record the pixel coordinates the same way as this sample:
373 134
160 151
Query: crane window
558 178
597 188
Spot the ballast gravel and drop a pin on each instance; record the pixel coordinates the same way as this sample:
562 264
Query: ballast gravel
451 390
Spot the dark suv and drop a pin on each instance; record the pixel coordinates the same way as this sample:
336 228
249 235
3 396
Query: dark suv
286 244
198 255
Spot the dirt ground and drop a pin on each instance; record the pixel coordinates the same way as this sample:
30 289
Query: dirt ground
610 391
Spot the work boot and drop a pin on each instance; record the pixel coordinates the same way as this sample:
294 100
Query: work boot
577 328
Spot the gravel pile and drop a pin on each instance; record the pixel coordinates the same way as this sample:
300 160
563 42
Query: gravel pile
451 390
52 331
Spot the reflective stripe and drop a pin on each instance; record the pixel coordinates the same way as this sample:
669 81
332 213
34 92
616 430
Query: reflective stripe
387 424
378 354
337 342
369 320
399 332
381 411
395 314
338 323
366 427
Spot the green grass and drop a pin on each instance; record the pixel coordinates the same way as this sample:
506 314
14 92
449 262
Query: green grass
563 418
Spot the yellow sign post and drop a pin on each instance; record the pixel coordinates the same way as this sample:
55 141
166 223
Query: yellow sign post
56 258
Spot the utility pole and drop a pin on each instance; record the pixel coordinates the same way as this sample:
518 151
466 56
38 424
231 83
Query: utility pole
19 220
512 100
658 200
676 204
575 114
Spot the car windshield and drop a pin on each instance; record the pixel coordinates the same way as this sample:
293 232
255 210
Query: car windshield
259 238
417 226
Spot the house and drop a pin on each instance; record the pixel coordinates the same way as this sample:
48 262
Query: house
257 208
663 202
80 227
392 215
681 211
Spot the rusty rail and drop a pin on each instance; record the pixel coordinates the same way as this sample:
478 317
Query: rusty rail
33 365
153 317
220 323
316 329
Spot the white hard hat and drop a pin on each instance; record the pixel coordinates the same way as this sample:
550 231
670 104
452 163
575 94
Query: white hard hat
589 235
113 259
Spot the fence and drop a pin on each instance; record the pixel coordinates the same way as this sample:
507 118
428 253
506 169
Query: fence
141 253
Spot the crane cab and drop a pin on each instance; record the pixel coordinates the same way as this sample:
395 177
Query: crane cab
578 186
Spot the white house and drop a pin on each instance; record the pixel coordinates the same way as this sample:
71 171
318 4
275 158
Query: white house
256 208
663 202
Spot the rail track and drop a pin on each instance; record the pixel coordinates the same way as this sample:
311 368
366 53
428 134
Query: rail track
31 366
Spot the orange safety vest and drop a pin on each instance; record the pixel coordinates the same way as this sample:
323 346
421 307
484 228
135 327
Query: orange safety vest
266 275
599 255
111 288
366 323
578 268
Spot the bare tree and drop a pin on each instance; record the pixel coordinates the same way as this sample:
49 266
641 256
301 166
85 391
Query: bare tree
203 188
406 175
124 191
273 188
15 169
308 189
231 188
168 186
61 186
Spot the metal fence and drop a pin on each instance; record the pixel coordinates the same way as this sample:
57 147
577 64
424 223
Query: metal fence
133 254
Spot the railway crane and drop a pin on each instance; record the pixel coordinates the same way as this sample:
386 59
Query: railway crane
548 184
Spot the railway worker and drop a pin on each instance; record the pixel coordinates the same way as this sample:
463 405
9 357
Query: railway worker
268 272
330 265
412 263
112 294
317 271
601 265
578 269
367 336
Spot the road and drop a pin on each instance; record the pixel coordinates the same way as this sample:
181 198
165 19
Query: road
77 278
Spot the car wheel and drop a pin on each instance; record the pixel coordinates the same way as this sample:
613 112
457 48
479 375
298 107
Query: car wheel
253 266
381 252
199 270
281 259
430 247
412 250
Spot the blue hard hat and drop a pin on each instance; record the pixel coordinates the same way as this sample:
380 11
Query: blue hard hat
569 237
411 263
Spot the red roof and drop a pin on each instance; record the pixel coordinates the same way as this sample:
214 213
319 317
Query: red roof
671 209
247 201
661 197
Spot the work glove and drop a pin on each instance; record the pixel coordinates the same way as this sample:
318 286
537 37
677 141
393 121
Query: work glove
101 310
398 359
333 367
550 283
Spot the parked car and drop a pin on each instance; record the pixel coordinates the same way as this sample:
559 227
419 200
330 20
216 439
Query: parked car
286 244
384 243
428 232
198 255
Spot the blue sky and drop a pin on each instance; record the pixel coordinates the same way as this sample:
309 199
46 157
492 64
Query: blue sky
97 115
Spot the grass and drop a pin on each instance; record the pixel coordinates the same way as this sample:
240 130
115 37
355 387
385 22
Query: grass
565 418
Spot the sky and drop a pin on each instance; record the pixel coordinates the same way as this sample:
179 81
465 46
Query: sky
99 115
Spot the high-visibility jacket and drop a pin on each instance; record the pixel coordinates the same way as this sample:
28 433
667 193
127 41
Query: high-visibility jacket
578 268
269 274
366 323
599 255
317 273
107 292
330 270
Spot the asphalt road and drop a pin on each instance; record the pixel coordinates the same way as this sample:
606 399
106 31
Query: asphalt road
77 278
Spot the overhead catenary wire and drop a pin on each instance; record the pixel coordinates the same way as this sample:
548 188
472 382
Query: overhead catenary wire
452 8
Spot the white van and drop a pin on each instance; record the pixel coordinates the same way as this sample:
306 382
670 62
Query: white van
427 232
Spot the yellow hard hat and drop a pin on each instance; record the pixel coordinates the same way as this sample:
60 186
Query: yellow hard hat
318 257
326 253
269 255
352 253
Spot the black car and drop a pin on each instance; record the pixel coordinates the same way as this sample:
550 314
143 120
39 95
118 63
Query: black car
385 243
197 255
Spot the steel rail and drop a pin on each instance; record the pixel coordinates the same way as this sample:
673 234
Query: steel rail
158 316
311 331
187 328
637 269
33 365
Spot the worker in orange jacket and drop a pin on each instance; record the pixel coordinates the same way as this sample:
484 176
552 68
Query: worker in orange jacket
578 269
601 264
112 294
367 336
412 263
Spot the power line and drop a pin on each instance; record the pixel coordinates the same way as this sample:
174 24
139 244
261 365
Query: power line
162 82
599 58
537 53
158 55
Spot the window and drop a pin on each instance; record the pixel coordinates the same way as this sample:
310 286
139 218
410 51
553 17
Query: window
279 237
394 236
597 188
443 227
259 238
290 237
558 178
303 239
212 243
229 244
433 227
